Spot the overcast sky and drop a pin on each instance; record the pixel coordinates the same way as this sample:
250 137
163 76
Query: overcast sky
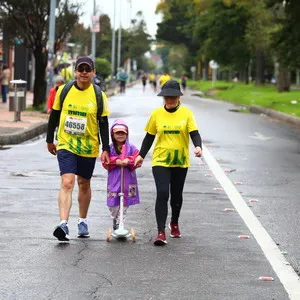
107 7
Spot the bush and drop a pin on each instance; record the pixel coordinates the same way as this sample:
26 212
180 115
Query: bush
103 67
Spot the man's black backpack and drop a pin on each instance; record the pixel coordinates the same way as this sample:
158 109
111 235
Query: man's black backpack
98 93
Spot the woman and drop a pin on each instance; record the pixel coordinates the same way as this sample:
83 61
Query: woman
172 124
4 82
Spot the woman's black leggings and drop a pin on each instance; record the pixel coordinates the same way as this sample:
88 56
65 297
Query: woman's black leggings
168 180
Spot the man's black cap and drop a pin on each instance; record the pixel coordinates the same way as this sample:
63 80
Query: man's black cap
84 60
171 88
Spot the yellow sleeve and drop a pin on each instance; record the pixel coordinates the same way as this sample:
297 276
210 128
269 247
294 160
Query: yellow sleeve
151 125
105 112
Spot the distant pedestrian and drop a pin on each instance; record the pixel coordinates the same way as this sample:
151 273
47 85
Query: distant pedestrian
144 80
66 73
164 78
183 82
58 81
122 77
172 124
154 83
122 155
4 82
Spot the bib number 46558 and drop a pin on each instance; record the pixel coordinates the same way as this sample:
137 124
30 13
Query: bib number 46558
75 125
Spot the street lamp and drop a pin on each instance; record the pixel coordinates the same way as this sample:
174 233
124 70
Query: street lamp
93 46
51 39
113 46
119 37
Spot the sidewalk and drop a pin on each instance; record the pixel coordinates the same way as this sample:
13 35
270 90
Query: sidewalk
32 124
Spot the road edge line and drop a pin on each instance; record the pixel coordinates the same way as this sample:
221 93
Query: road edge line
280 265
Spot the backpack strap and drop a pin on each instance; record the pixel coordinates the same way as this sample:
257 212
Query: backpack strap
65 91
98 93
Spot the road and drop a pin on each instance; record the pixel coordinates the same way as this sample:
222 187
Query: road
209 262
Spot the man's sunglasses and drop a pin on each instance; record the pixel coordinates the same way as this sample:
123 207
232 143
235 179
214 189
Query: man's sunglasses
87 69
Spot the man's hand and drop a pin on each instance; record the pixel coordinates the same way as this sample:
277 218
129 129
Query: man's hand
198 151
138 161
51 148
104 157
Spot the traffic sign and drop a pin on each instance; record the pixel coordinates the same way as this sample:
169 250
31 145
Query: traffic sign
213 64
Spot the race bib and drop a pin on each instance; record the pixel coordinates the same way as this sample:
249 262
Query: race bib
75 125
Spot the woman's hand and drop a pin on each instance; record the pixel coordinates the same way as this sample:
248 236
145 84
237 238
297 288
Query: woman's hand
138 161
198 151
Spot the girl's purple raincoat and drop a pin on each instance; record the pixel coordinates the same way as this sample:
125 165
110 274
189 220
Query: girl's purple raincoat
130 188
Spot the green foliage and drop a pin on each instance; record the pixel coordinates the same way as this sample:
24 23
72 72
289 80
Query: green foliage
286 39
224 29
29 22
136 41
103 67
265 96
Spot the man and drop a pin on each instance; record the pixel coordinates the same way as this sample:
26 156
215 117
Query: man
78 144
164 78
66 73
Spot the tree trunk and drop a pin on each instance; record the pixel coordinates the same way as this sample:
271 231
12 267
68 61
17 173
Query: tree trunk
283 79
246 73
40 85
259 78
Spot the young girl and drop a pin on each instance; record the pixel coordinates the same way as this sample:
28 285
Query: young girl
122 154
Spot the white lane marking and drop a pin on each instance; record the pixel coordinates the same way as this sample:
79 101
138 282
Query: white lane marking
284 271
260 136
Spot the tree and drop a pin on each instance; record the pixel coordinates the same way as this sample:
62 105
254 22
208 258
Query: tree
29 21
135 41
103 67
104 38
286 39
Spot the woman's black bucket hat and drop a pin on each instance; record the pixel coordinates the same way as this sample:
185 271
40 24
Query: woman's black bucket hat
171 88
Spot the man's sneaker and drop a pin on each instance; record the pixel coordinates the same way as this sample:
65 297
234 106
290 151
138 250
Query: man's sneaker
161 239
175 232
83 231
61 232
115 224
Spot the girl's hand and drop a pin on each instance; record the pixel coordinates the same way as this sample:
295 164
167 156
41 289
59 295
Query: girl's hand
198 151
125 162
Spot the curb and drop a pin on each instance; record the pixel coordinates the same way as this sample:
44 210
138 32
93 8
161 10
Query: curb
23 135
292 120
